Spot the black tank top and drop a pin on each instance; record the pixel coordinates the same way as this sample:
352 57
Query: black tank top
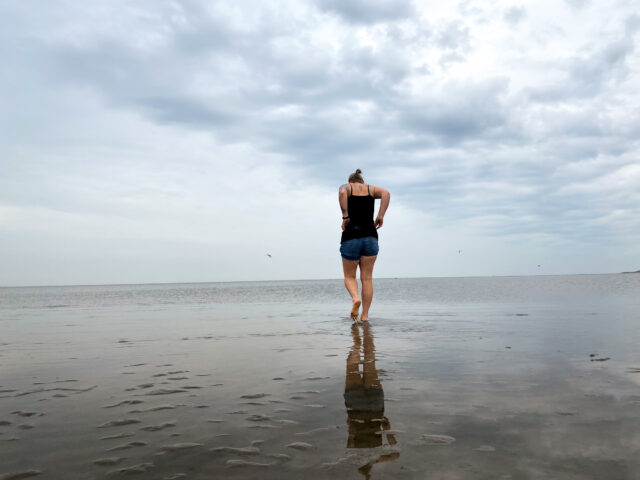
361 223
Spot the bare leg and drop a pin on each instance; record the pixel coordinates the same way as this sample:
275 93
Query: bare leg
350 267
366 278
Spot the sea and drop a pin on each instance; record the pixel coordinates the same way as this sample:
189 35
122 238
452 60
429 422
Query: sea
452 378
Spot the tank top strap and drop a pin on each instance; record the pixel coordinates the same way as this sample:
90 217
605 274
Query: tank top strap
350 189
368 191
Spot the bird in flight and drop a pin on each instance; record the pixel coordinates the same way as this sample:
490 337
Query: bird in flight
269 255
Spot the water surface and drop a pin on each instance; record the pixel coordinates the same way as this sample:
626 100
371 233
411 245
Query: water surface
507 377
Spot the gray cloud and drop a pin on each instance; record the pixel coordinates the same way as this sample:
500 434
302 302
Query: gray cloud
368 12
514 15
587 75
374 86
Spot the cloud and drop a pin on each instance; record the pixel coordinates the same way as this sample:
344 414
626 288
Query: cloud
588 74
514 15
154 111
368 12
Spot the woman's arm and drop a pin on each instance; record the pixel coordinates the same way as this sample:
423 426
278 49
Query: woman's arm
384 196
342 199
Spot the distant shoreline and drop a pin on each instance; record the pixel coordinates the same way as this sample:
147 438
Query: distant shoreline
291 280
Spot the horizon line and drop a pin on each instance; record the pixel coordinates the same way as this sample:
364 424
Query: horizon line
299 280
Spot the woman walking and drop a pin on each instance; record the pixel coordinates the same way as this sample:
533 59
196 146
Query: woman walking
359 242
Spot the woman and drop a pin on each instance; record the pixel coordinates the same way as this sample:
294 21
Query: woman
359 243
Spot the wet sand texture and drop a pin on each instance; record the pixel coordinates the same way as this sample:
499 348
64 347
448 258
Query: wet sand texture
452 378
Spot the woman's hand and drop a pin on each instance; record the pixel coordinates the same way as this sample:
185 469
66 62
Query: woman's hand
344 223
378 222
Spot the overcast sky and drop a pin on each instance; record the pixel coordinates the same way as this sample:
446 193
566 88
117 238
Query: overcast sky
158 141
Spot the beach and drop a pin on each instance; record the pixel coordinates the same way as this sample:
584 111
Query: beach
453 378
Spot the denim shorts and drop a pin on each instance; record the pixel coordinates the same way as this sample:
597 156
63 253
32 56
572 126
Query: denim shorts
355 248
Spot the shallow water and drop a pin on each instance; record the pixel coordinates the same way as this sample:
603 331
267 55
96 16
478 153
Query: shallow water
509 377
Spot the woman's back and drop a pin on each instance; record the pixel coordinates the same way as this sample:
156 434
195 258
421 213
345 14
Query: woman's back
361 205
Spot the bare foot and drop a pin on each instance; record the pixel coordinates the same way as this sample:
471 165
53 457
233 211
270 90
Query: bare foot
355 309
364 319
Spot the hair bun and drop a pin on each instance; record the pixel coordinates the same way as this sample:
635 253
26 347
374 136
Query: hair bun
358 171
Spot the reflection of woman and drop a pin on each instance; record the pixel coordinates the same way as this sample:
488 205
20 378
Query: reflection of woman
364 399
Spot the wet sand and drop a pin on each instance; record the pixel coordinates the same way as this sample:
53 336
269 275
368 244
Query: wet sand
506 389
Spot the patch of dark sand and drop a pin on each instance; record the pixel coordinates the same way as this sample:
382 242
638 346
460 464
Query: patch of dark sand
277 378
26 414
155 409
165 391
255 395
127 373
109 461
8 390
259 404
25 426
120 422
314 405
159 375
40 390
237 412
258 418
243 463
124 402
176 372
279 456
203 374
297 397
191 387
119 435
178 378
146 385
300 446
134 469
317 378
20 475
4 423
215 420
237 450
217 385
282 410
175 476
126 446
600 359
55 381
180 446
156 428
262 426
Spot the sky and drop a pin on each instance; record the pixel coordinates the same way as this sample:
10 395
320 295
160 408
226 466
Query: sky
165 141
